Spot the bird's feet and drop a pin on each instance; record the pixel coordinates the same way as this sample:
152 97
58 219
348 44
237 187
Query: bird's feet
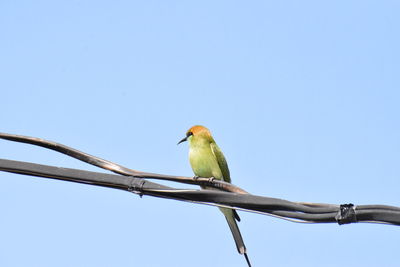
210 180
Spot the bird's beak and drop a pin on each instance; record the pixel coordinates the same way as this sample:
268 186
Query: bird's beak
183 140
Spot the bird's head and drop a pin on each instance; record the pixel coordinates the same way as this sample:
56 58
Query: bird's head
197 132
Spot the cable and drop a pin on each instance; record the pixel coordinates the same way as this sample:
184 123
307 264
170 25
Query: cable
283 209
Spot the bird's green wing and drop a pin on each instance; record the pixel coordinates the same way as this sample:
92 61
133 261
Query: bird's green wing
223 165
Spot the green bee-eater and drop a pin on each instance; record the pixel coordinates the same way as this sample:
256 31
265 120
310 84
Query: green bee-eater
207 160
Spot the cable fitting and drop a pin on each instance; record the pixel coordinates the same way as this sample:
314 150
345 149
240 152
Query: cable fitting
346 214
137 186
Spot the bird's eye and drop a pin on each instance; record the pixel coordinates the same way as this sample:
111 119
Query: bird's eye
189 134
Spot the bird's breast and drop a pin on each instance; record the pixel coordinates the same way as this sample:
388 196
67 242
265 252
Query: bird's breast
204 163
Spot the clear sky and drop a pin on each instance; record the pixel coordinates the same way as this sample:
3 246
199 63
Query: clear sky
302 97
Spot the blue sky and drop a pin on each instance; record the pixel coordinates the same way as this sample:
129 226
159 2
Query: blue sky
302 97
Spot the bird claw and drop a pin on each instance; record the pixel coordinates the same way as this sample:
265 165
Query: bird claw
211 179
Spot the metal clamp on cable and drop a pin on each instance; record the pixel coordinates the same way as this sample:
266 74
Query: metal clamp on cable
346 214
137 186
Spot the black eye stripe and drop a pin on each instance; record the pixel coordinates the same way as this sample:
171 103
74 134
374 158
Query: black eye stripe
189 134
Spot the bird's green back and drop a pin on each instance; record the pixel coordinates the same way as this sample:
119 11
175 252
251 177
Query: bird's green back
223 165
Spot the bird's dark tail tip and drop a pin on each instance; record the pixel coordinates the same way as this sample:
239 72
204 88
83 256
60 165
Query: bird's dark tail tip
247 259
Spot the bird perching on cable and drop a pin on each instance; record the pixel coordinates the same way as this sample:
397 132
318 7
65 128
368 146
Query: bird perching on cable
207 160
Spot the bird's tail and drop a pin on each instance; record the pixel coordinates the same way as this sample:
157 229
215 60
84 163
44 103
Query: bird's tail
231 217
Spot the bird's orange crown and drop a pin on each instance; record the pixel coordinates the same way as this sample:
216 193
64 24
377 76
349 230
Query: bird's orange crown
198 130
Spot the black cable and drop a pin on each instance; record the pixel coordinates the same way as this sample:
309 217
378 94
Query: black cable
317 213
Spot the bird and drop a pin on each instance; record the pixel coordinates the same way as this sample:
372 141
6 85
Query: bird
208 161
